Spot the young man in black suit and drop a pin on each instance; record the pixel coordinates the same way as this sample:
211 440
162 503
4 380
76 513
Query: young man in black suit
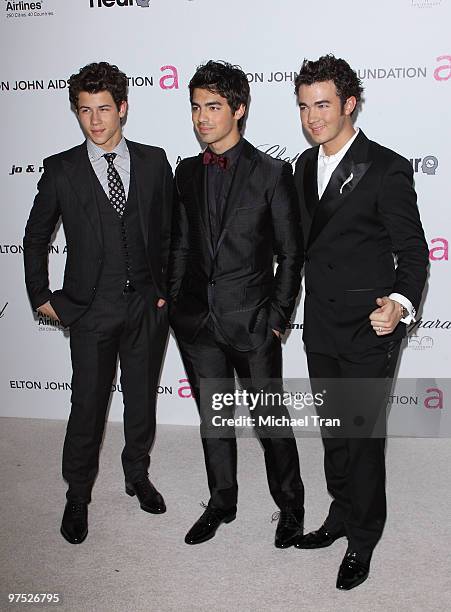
235 211
358 210
114 197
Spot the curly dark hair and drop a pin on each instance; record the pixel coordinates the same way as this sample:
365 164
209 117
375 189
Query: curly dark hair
97 77
331 68
224 79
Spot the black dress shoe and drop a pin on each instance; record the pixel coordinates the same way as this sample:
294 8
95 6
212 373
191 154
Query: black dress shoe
205 528
320 538
74 526
149 498
353 571
289 527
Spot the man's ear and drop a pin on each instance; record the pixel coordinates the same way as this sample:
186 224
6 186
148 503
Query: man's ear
240 111
349 105
123 109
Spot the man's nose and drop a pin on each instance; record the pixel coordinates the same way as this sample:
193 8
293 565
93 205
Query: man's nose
202 116
312 115
95 117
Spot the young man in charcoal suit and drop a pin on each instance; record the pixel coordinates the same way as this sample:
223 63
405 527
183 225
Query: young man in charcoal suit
358 210
114 197
235 211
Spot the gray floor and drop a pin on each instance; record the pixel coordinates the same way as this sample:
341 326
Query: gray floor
134 561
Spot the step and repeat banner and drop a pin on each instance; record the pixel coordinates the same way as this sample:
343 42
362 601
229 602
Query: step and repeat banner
401 50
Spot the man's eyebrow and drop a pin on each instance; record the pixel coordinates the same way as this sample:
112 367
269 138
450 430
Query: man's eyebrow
207 103
301 103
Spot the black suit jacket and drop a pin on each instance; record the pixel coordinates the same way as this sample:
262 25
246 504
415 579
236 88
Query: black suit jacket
66 190
235 282
351 235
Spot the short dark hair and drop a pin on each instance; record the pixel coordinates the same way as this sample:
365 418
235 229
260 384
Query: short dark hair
222 78
331 68
97 77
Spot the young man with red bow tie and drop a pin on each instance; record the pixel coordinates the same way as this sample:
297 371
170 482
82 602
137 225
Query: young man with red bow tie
235 211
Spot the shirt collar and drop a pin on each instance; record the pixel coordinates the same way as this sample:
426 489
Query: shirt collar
95 152
336 157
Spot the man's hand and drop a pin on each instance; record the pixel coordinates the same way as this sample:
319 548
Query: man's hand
385 318
47 310
161 303
277 333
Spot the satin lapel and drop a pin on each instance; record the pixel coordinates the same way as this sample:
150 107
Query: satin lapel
245 166
145 183
310 186
344 179
199 187
80 174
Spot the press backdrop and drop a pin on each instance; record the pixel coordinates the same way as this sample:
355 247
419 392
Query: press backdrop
401 50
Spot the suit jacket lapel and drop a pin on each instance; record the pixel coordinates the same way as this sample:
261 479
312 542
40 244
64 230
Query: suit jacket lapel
79 172
311 184
144 180
199 183
245 166
342 183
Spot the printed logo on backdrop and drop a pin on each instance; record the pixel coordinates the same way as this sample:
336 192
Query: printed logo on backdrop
443 71
420 343
161 389
424 334
392 72
17 249
47 324
439 249
27 10
3 310
278 152
118 3
431 399
295 326
169 79
441 325
24 169
273 77
61 385
427 165
425 3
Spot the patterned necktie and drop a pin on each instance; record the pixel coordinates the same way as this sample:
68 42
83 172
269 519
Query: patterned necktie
115 185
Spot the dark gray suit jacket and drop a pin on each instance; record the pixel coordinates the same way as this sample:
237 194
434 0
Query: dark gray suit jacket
66 190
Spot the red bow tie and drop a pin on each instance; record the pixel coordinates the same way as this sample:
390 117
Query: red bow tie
213 159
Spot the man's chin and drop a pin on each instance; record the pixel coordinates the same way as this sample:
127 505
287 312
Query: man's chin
98 141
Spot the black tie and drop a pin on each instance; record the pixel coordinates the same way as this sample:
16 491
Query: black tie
115 185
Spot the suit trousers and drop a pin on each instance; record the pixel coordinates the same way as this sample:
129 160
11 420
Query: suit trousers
358 386
128 328
211 357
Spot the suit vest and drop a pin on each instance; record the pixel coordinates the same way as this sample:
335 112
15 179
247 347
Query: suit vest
124 253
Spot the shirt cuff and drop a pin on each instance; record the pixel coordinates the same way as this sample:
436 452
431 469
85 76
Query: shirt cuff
397 297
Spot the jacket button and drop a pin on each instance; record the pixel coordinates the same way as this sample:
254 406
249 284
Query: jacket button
212 283
331 300
330 266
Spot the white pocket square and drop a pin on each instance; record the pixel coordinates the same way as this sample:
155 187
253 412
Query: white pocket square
348 180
